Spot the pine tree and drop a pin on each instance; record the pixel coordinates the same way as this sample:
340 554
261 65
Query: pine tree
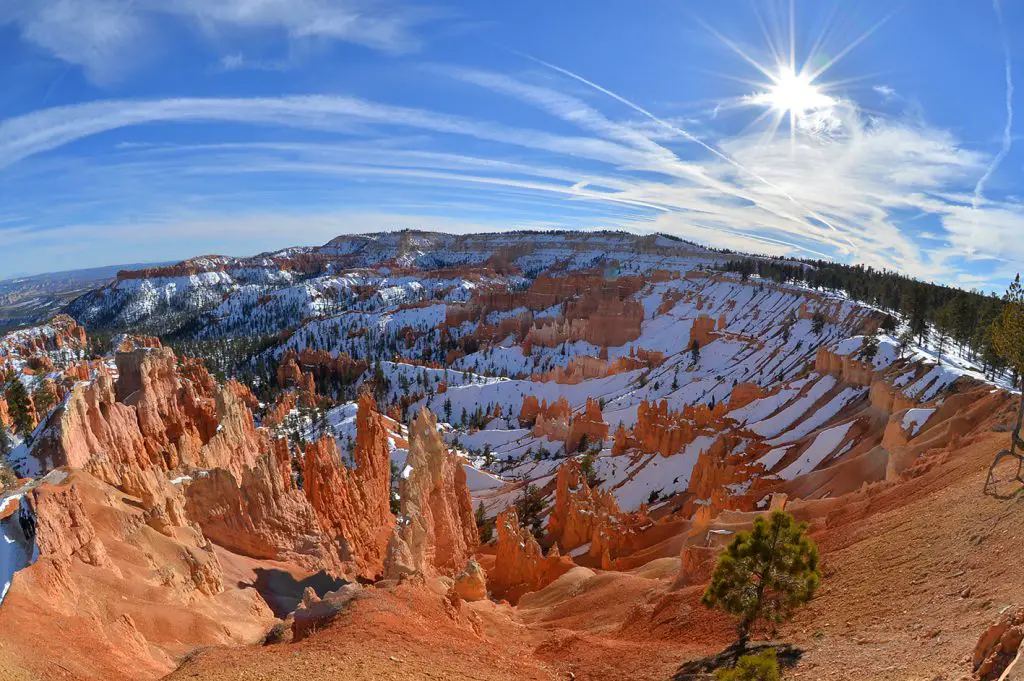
905 340
761 667
484 527
869 349
530 507
43 399
914 306
817 323
765 573
944 325
1008 339
19 406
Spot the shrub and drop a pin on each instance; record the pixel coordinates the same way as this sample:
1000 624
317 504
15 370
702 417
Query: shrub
760 667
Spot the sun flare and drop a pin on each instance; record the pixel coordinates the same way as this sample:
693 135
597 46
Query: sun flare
795 93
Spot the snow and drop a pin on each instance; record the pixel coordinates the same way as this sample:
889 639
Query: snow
774 425
479 481
820 417
928 386
915 419
16 552
656 473
580 550
773 457
821 448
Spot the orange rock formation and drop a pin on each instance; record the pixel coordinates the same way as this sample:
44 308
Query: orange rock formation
438 532
263 514
579 510
588 427
520 565
353 505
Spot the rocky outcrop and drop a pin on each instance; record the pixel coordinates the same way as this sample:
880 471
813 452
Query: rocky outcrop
587 428
583 368
703 330
437 525
471 583
314 612
352 506
262 515
997 652
553 420
889 398
696 563
529 411
290 375
657 429
60 333
845 367
157 415
520 565
605 322
322 363
743 394
720 477
579 510
64 531
662 430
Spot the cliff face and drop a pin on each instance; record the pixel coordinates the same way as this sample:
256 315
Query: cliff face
64 531
262 514
438 532
116 596
352 506
155 416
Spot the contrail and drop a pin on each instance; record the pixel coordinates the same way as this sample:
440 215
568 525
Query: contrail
979 189
692 138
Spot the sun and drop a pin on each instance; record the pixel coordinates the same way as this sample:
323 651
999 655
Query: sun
795 94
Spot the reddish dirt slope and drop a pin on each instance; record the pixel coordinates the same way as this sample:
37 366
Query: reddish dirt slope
913 576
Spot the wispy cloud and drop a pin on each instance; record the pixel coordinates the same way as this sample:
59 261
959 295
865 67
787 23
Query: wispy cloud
106 37
1007 141
866 194
885 91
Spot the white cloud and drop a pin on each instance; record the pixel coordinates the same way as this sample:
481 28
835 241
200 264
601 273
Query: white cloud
232 62
93 34
885 91
106 37
886 192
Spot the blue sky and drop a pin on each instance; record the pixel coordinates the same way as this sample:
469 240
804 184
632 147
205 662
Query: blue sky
145 130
